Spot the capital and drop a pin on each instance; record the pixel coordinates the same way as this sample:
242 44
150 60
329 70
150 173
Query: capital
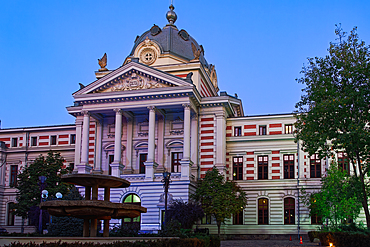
86 113
186 106
151 108
118 110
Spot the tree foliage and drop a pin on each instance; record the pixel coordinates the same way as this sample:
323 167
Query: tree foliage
28 185
187 213
333 113
218 197
336 201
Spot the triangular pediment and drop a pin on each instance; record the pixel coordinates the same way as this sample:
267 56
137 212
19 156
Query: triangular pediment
131 77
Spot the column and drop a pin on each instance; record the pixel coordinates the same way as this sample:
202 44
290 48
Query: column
98 147
117 166
194 144
130 123
78 144
84 166
186 162
150 164
221 141
160 144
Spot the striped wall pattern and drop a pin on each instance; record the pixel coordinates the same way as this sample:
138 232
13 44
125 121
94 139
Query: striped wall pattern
207 143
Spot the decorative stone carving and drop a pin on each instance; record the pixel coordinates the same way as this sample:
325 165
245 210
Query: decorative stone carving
143 129
134 82
148 56
177 127
103 62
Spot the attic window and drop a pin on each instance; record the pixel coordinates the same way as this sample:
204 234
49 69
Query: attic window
184 35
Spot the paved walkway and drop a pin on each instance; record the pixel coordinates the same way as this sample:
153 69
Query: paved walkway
265 243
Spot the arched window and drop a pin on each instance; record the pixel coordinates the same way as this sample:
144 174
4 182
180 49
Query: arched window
289 211
134 222
263 211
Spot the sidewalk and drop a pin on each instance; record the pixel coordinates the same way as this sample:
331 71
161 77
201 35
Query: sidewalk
265 243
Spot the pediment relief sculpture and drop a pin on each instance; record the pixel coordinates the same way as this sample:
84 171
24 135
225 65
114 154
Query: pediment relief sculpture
134 82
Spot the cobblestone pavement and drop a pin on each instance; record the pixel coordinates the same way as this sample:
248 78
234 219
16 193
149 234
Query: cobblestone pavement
265 243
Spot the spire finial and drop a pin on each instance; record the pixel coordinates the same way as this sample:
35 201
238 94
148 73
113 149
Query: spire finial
171 15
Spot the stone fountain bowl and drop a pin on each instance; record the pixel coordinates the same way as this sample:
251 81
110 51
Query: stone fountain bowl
92 209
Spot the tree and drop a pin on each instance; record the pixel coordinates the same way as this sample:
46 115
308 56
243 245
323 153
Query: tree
28 185
333 113
218 197
185 212
336 201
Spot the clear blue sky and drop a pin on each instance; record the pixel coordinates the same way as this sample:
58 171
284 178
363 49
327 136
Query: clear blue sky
258 47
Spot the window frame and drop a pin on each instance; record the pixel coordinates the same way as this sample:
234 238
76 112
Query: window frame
11 215
53 140
342 162
237 131
288 165
13 176
262 130
289 211
34 141
288 128
175 161
14 142
315 166
238 218
132 221
72 139
238 168
263 167
142 162
263 211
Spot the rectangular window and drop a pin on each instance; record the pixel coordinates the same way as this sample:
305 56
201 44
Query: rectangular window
263 211
289 129
13 176
263 167
72 139
175 161
110 161
143 158
262 130
288 166
343 161
34 141
238 218
53 140
237 168
11 215
316 220
289 211
315 166
14 142
237 131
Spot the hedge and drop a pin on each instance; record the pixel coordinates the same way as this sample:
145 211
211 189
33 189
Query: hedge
211 241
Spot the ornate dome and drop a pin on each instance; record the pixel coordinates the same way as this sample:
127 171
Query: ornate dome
171 40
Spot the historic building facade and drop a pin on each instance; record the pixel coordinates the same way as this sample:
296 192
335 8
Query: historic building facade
159 111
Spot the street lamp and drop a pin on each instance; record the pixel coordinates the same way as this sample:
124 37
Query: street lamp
44 194
166 182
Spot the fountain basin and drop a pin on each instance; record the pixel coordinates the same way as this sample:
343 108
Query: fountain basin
92 209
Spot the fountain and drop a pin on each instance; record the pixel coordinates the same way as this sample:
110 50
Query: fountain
92 209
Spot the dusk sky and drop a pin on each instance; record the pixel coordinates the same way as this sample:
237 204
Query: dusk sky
258 47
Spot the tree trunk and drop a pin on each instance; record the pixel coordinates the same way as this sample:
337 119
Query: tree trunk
218 228
364 202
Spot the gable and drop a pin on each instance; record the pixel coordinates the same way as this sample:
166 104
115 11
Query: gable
132 80
130 77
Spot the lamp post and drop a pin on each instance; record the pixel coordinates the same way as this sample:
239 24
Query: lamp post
166 182
44 194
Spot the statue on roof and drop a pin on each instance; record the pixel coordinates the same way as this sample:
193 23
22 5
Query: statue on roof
103 62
